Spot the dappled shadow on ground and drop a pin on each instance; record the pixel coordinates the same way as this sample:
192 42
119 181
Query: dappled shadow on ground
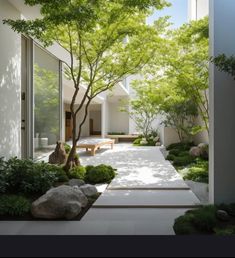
137 166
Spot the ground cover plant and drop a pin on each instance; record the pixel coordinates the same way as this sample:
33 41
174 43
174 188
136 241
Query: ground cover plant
150 139
191 168
207 220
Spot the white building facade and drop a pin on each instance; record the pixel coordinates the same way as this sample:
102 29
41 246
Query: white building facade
35 96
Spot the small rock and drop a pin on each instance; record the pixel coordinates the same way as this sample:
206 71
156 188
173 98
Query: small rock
204 150
203 146
89 190
76 182
58 157
195 152
157 139
223 215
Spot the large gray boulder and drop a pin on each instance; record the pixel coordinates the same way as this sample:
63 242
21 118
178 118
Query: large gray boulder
89 190
76 182
63 202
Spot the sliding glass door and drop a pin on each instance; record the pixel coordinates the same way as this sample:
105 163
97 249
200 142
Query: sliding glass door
47 100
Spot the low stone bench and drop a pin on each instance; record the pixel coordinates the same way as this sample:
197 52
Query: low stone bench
94 145
118 138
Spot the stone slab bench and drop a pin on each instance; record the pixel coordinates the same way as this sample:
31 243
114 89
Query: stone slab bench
95 144
118 138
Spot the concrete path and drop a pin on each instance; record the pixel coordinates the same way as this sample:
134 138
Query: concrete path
147 194
144 199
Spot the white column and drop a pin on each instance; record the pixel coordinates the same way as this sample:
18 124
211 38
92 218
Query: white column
104 117
222 105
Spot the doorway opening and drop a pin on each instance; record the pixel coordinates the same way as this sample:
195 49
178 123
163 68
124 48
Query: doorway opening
95 120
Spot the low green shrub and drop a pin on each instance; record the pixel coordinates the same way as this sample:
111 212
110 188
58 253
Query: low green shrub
60 174
137 141
183 226
3 178
198 171
12 205
28 177
205 218
174 152
181 146
197 174
100 174
170 157
78 172
202 220
183 161
228 231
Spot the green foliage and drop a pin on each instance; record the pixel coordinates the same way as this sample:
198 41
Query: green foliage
202 220
184 226
28 177
109 40
100 174
137 141
180 146
60 174
171 157
174 152
78 172
183 161
228 231
144 108
67 148
13 205
178 78
198 171
3 178
150 140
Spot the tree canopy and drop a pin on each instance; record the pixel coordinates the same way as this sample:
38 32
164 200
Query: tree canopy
106 42
180 75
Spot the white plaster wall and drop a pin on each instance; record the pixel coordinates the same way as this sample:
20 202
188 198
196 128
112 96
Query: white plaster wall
118 121
203 8
10 84
96 116
197 9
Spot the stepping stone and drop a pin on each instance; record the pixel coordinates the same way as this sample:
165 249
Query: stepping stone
147 199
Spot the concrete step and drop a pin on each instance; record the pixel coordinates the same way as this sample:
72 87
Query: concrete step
147 199
85 228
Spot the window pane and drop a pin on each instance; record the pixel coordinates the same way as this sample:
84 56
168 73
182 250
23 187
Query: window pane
46 103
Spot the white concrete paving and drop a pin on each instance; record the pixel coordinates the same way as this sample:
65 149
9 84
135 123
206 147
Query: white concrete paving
147 198
109 227
138 167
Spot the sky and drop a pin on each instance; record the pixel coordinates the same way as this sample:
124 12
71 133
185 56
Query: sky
178 11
